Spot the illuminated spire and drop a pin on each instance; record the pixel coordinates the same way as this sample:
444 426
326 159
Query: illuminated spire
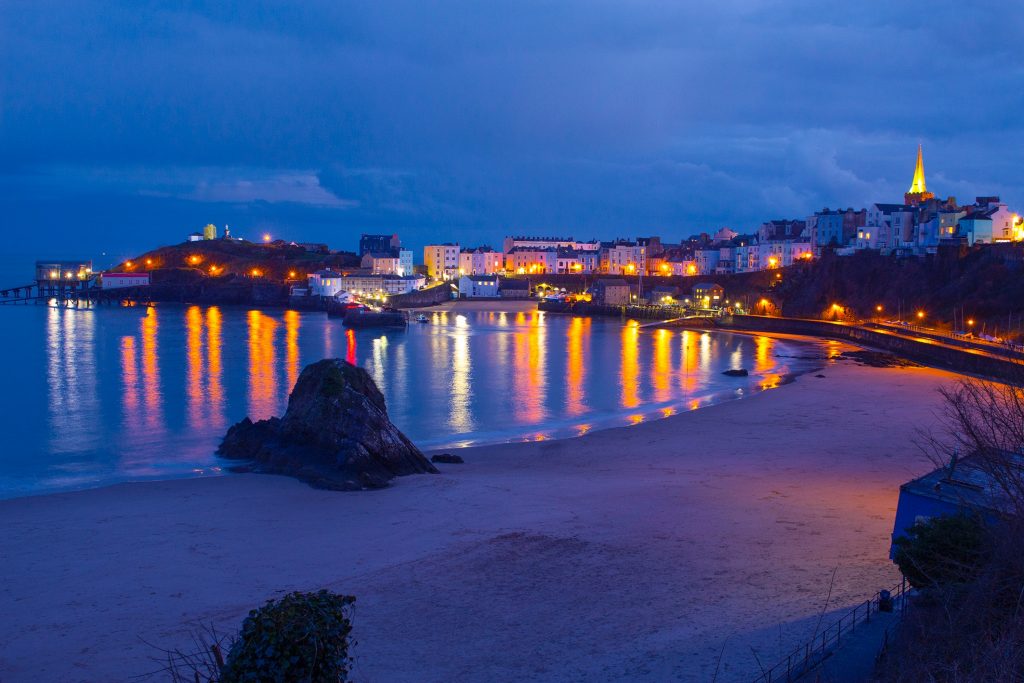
918 186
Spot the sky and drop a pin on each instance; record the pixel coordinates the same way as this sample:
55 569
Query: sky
127 125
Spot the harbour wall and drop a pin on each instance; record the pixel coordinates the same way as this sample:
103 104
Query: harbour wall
925 352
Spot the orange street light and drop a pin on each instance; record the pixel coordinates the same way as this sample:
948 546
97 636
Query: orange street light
970 322
266 237
255 272
291 273
878 308
194 259
149 262
920 315
128 264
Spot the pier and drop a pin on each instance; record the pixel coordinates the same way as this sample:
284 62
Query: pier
73 284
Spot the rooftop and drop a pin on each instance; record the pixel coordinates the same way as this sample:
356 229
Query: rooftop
968 481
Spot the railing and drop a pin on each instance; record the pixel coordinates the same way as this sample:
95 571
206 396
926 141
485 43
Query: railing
962 339
808 656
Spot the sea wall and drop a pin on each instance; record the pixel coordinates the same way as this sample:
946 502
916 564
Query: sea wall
924 352
422 297
593 308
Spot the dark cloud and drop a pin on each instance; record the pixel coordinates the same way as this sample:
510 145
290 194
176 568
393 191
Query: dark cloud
137 122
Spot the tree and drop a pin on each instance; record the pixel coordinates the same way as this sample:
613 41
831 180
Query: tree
944 551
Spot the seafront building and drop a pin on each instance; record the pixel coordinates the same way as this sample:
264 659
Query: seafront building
480 261
479 286
441 261
122 280
329 283
920 225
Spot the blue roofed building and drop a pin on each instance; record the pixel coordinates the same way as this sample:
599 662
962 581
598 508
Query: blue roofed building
964 485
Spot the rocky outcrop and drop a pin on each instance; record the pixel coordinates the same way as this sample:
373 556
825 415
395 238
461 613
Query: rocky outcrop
740 372
447 458
335 434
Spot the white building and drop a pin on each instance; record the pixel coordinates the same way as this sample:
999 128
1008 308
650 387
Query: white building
118 280
442 261
405 265
534 243
888 227
706 261
478 286
329 283
626 258
381 285
324 282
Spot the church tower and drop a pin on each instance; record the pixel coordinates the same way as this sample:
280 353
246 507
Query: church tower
918 192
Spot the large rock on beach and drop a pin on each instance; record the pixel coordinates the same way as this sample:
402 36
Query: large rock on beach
335 434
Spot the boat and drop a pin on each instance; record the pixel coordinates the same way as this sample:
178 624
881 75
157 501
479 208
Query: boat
422 318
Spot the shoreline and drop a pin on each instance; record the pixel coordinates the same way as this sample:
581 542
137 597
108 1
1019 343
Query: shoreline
642 414
633 552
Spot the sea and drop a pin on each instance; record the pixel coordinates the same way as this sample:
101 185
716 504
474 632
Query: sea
96 396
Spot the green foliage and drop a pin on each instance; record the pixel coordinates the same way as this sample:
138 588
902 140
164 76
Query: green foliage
301 637
943 551
334 383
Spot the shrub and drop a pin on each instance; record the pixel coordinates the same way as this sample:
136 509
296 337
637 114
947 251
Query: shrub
301 637
943 551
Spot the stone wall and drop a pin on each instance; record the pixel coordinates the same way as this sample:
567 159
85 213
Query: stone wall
422 297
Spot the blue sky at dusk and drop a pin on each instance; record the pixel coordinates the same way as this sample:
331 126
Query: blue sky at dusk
124 125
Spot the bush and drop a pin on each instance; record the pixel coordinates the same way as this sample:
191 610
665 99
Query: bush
301 637
943 551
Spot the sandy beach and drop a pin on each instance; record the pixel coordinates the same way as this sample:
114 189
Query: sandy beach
638 553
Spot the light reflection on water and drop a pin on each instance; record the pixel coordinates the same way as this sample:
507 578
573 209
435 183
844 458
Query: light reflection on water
148 392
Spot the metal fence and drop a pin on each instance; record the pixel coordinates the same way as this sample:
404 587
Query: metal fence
808 656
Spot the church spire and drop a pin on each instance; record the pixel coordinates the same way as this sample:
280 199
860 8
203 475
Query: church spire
918 192
918 184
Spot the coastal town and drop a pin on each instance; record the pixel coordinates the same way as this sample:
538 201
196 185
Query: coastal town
448 342
621 272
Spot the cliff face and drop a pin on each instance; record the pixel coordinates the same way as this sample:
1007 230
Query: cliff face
335 434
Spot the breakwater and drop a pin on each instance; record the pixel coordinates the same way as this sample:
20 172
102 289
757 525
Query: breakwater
928 350
924 351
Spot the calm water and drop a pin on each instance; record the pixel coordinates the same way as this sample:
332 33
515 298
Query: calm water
99 396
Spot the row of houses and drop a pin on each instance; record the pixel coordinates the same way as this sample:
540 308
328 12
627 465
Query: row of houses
726 252
538 256
919 225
